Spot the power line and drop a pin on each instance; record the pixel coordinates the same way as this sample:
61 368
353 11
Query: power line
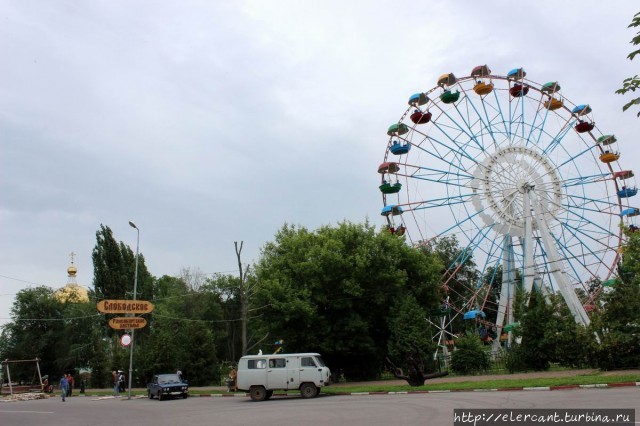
51 319
22 281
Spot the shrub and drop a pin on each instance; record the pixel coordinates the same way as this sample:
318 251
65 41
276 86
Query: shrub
469 357
514 360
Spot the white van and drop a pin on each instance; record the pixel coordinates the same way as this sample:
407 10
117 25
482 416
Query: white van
260 375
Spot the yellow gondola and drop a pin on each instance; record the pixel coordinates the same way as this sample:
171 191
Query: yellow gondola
609 157
483 88
553 104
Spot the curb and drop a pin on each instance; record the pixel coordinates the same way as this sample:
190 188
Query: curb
540 388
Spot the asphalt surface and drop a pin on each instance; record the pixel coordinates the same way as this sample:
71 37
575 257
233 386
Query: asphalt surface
405 409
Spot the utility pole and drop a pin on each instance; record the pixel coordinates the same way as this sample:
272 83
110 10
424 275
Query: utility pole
244 302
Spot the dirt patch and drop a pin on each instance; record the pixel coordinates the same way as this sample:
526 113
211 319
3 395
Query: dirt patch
23 397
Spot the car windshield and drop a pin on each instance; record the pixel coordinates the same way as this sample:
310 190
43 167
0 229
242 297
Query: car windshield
169 378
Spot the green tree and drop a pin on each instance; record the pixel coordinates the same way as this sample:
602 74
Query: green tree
195 313
536 323
37 330
631 84
114 269
620 325
228 336
549 334
410 344
84 339
65 335
469 357
573 344
332 291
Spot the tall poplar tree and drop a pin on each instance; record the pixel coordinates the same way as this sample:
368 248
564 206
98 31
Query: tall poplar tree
114 269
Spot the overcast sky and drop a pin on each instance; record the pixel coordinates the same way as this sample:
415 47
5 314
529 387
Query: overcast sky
209 122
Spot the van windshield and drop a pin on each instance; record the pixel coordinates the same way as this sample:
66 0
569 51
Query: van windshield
320 361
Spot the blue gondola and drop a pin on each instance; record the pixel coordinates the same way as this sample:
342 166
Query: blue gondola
398 148
581 110
474 314
516 73
627 192
418 99
391 209
633 211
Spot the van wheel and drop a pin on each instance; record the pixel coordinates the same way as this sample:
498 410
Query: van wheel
258 393
308 390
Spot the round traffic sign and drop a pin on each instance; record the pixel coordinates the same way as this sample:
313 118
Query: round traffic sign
125 340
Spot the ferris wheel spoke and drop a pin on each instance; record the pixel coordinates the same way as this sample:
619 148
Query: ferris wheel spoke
602 231
593 254
556 140
435 142
484 125
451 182
587 179
584 203
437 202
469 102
466 253
597 236
460 148
576 156
534 126
438 172
436 154
517 118
573 259
494 124
457 125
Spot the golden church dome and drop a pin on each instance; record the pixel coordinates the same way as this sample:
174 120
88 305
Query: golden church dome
72 293
72 270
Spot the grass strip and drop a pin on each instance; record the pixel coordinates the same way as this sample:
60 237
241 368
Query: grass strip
491 384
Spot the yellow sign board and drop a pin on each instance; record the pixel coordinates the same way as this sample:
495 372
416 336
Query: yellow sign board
125 307
127 323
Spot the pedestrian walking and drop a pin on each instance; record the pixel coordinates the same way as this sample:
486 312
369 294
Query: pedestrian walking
116 384
64 387
122 379
71 383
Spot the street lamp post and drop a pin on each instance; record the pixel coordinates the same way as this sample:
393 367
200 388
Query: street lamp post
135 290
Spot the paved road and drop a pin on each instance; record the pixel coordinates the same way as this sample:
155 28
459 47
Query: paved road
421 409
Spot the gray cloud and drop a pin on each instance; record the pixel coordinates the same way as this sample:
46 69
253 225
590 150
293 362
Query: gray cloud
210 122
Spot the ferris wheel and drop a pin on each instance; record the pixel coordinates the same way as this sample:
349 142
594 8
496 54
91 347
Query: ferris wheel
520 176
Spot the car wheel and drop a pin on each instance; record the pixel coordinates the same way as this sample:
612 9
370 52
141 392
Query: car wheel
308 390
149 394
258 393
185 395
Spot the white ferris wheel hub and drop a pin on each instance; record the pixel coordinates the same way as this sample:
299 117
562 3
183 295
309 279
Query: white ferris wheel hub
502 179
